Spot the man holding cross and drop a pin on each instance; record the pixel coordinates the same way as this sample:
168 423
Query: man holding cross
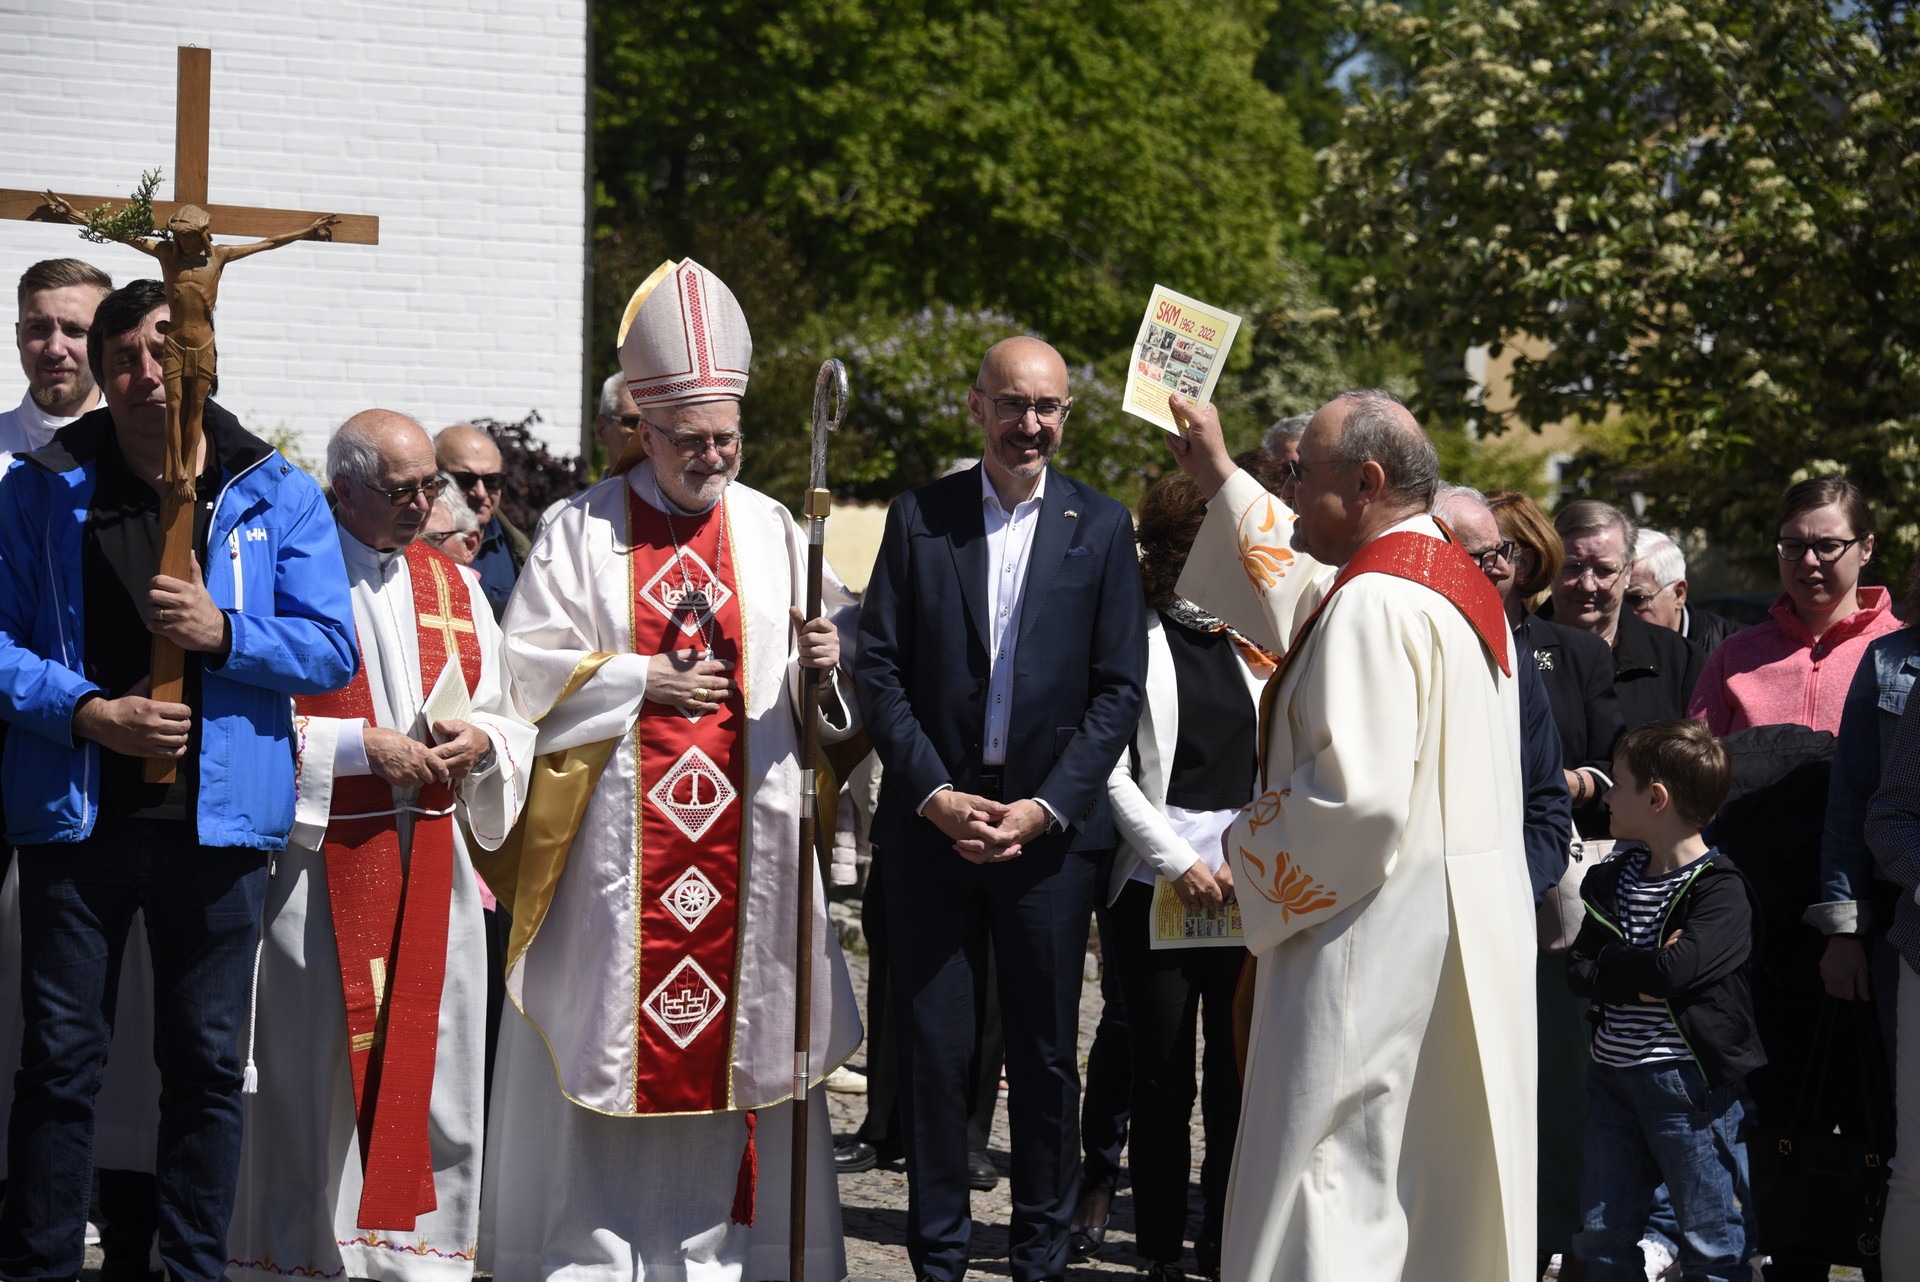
373 979
79 596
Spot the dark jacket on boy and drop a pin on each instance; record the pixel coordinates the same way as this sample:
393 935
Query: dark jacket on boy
1703 978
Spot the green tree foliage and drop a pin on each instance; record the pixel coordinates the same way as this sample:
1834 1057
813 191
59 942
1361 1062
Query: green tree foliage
1705 209
1048 158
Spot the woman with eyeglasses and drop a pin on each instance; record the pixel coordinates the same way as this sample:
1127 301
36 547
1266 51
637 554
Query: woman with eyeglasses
1795 668
1768 687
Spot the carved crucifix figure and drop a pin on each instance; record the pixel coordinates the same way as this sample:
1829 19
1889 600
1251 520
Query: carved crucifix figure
190 267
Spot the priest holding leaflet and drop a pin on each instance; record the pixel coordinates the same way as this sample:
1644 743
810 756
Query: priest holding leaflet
1386 1129
372 985
640 1116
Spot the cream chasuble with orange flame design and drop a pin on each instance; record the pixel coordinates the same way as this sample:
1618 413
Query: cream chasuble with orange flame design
1387 1127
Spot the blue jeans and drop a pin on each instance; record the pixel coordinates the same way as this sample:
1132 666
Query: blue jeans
77 900
1656 1124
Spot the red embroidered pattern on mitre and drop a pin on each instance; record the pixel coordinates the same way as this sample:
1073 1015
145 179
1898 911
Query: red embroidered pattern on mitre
390 916
689 341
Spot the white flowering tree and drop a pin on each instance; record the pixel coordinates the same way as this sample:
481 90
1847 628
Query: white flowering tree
1708 210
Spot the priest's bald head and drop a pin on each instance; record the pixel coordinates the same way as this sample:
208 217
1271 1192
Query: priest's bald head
1364 467
384 478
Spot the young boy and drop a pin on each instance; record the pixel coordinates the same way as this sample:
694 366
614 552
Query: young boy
1664 956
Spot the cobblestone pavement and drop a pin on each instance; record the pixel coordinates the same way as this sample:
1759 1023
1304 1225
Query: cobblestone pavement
874 1203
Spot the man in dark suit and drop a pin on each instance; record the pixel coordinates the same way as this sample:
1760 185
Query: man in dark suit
1001 662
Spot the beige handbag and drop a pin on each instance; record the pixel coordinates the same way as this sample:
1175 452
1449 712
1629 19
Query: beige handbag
1561 912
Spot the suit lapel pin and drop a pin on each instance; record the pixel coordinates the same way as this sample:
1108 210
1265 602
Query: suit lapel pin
1072 512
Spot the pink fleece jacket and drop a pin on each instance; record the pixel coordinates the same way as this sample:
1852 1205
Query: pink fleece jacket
1774 674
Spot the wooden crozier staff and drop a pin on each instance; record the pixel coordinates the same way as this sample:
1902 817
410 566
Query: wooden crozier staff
829 390
190 267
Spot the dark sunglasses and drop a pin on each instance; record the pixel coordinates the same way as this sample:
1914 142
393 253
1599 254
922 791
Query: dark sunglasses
467 480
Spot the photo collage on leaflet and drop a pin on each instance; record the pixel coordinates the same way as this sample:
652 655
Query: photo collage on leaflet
1181 364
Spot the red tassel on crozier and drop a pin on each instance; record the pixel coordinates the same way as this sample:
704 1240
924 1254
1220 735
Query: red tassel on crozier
747 1186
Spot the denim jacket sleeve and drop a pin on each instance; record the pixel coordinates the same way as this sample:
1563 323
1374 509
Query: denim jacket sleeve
1846 864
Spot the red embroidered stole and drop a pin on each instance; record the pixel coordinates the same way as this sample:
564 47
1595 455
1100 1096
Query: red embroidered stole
691 781
390 917
1435 563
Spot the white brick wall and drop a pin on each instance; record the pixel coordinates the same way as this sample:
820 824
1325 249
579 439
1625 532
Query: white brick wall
461 123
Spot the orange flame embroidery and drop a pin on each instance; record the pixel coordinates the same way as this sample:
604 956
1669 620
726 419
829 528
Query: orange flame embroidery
1294 889
1265 563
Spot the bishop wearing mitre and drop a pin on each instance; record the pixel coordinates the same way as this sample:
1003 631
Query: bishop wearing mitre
362 1149
641 1101
1387 1119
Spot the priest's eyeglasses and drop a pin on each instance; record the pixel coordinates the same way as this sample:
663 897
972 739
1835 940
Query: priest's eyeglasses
1012 409
1825 551
1295 471
726 444
401 495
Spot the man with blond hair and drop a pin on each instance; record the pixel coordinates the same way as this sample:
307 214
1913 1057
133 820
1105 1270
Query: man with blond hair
57 298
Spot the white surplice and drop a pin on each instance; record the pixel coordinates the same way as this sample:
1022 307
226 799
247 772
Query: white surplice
576 1184
300 1177
1387 1123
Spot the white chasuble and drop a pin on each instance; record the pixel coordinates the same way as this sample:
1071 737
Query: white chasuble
300 1187
656 997
1387 1124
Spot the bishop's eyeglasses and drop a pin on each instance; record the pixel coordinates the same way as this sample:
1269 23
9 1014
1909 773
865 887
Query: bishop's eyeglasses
726 444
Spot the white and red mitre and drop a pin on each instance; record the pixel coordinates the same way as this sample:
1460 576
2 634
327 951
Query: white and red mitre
684 338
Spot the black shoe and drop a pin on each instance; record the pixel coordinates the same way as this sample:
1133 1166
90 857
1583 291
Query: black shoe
982 1174
1084 1242
850 1157
1157 1272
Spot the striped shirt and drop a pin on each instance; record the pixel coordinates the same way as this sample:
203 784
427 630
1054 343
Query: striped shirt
1633 1033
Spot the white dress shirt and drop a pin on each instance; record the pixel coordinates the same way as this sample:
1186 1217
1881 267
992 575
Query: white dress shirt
1009 548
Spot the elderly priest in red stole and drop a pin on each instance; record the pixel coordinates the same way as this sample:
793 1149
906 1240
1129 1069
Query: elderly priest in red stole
1387 1117
363 1142
641 1097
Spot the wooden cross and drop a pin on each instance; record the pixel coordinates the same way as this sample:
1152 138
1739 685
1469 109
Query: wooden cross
274 226
192 110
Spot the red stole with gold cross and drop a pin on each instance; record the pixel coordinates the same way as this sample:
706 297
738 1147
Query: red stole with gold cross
691 784
390 916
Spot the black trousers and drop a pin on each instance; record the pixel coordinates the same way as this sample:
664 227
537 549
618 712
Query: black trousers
1103 1109
881 1126
1167 992
1033 911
